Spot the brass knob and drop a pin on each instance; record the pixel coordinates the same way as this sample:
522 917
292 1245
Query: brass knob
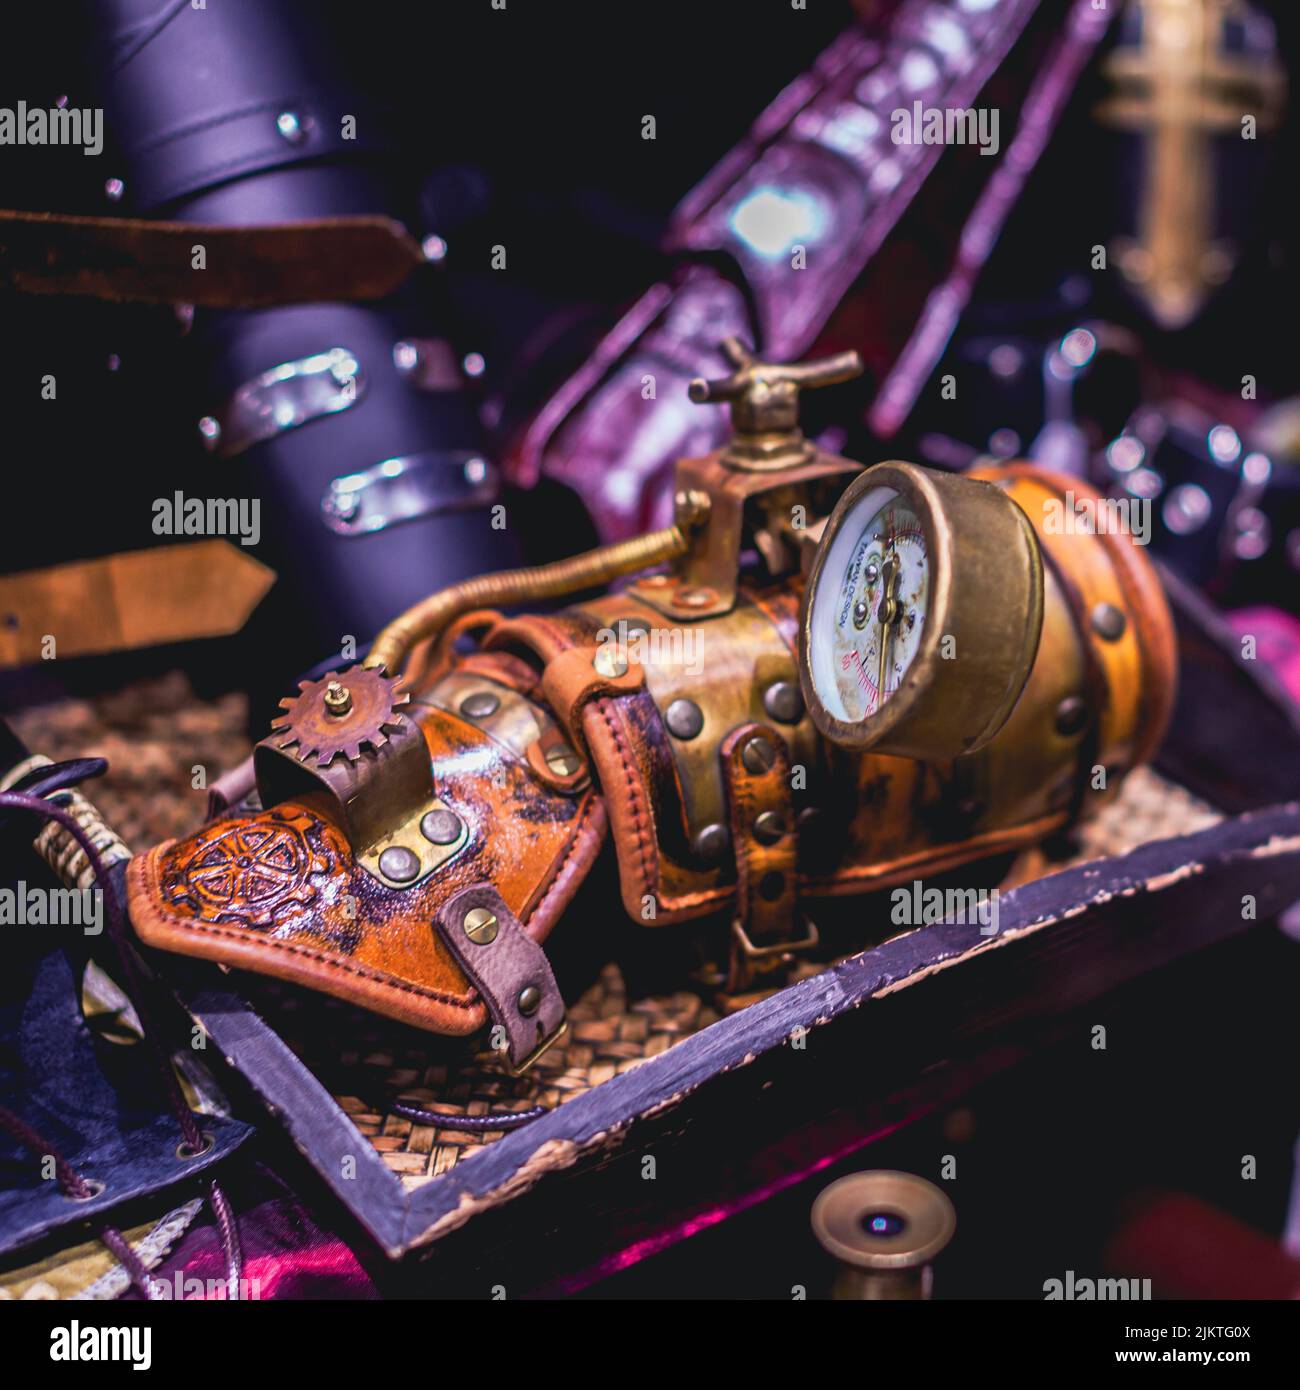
764 399
884 1228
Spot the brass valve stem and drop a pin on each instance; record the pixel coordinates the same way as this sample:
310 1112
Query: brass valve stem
586 571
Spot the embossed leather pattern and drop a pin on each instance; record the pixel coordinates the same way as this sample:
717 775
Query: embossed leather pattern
279 891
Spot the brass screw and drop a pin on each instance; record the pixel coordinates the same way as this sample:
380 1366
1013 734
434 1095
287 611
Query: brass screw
338 699
758 755
481 926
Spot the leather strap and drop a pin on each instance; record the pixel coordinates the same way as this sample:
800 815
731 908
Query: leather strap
756 771
573 678
507 967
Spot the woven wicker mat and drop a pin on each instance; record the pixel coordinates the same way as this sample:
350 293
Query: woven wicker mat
156 733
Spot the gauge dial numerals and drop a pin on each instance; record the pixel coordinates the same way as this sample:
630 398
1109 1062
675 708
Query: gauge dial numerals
909 558
880 608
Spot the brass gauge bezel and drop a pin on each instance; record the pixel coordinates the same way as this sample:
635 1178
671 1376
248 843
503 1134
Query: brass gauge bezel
986 593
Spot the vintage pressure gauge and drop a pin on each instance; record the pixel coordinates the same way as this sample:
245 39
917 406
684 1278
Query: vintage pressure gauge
922 613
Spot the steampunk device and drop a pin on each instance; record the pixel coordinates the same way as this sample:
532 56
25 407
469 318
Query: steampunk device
819 681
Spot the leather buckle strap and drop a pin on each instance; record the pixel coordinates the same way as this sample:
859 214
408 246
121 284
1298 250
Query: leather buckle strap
756 772
509 970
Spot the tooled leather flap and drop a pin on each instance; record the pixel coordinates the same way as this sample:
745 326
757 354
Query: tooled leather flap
280 892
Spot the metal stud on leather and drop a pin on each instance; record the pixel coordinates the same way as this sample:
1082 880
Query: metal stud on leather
507 967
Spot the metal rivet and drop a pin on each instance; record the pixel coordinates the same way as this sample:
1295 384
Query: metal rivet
684 718
609 662
758 755
564 762
1108 622
481 926
399 864
861 612
440 827
712 843
530 1000
479 705
769 827
187 1154
783 702
1071 716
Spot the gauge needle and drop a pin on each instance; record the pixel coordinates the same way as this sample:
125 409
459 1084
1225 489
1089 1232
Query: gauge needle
886 614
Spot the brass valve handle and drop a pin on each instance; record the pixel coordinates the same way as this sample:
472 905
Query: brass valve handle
764 400
764 396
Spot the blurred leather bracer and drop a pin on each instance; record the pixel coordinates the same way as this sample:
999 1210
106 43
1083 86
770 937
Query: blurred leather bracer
411 855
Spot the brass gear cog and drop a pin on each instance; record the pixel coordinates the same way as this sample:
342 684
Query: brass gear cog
340 713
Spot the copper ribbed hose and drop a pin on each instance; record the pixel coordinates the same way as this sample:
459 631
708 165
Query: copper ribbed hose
585 571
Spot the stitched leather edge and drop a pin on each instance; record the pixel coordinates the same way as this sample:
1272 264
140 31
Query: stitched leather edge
336 975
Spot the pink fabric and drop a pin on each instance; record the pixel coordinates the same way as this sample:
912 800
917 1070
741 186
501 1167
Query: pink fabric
287 1254
1277 635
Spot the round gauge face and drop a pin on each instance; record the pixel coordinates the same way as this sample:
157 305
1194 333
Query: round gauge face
870 606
